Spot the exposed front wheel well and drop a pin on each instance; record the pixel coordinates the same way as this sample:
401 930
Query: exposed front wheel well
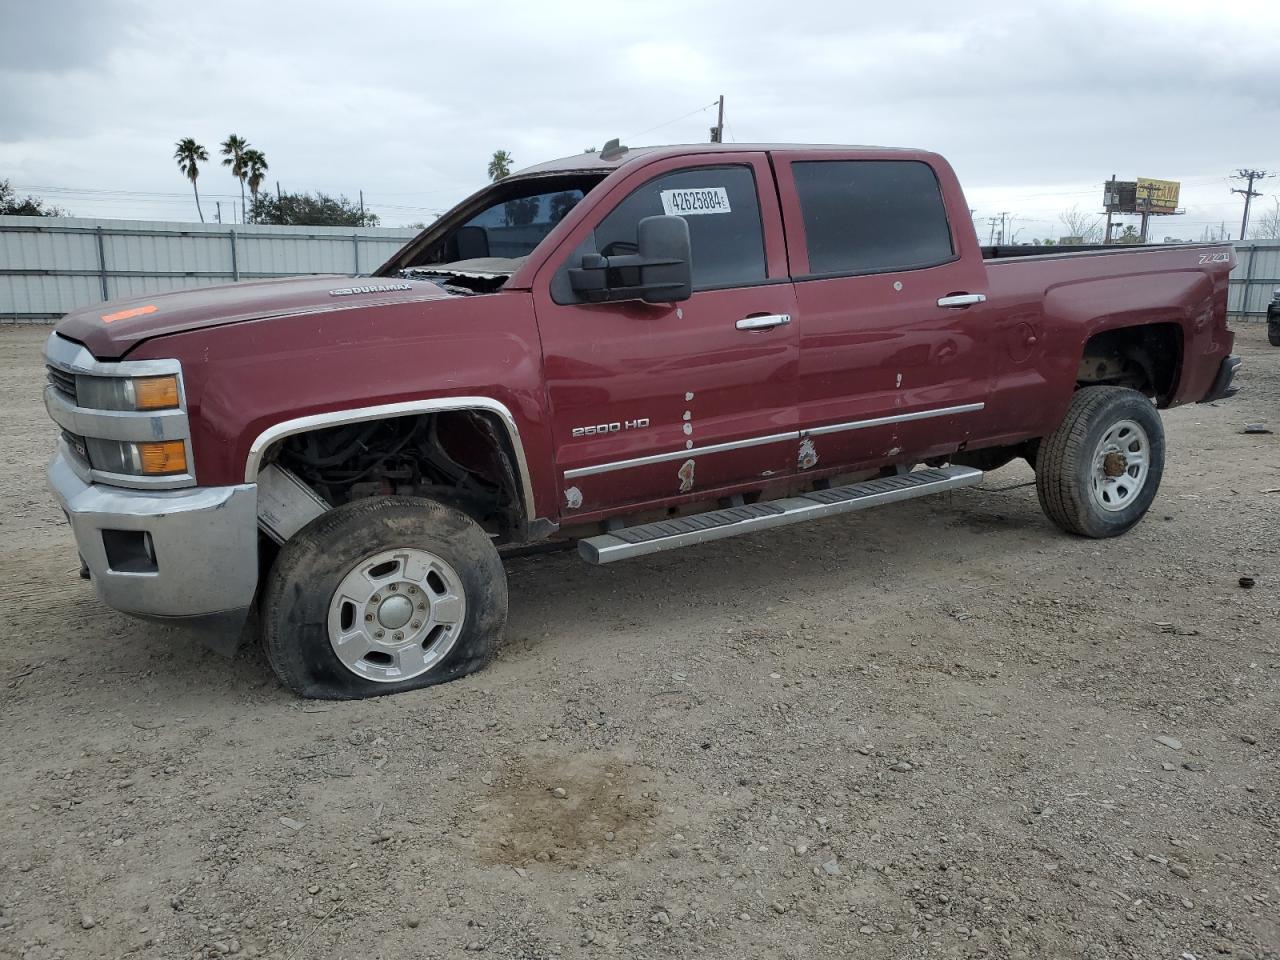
1146 358
461 458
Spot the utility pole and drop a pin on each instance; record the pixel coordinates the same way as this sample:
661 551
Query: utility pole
1111 202
362 208
717 132
1249 193
218 204
991 237
1146 210
1004 214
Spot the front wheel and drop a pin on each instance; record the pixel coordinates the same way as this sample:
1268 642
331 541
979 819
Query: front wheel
1098 473
383 595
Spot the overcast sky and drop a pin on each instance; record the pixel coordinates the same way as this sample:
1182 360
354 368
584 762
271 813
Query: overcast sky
1034 102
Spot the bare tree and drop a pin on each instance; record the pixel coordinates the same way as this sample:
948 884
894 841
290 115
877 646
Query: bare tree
1083 225
1267 226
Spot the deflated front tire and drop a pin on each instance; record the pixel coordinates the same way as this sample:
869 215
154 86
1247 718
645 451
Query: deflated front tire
380 596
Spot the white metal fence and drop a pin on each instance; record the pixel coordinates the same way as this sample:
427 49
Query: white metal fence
50 266
1257 274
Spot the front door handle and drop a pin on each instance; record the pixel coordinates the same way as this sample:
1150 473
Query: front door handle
962 300
765 322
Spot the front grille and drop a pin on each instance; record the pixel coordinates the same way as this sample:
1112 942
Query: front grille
63 382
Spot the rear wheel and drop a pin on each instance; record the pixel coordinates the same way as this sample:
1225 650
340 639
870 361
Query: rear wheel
380 596
1098 473
1273 332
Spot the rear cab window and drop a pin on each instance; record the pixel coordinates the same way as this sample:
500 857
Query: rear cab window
871 216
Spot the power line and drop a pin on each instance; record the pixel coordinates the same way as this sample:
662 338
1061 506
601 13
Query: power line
668 123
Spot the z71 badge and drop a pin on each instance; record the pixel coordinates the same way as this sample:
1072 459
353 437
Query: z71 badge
616 427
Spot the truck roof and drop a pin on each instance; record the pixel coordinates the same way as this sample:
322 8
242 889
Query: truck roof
594 161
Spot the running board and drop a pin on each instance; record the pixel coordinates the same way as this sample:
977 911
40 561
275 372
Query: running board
685 531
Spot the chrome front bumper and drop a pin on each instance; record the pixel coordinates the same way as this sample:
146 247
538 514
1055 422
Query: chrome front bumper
186 557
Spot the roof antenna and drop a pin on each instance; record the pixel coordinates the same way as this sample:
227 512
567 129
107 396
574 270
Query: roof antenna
612 150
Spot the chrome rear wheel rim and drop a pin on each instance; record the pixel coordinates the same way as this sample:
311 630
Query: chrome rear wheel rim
396 614
1121 465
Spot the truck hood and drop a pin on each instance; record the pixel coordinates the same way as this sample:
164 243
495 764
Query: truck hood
110 330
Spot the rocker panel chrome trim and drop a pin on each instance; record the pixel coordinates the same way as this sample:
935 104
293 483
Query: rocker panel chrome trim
895 418
771 438
678 454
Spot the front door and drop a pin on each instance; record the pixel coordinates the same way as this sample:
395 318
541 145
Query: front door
893 363
652 402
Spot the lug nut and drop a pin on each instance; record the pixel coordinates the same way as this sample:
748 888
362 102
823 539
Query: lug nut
375 598
378 634
422 606
368 618
397 635
416 624
394 587
413 589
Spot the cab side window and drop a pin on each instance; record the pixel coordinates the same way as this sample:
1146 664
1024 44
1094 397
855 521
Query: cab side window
723 212
871 216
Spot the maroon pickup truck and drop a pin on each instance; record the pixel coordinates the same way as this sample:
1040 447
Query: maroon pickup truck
637 350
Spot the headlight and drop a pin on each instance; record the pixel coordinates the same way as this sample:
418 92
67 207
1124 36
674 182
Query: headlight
138 459
124 393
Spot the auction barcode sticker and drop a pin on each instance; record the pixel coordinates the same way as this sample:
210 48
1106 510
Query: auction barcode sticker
685 203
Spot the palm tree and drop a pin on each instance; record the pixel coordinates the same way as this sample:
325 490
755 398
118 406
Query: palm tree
190 155
233 149
255 169
499 165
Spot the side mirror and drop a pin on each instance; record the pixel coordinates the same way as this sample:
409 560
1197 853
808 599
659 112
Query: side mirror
661 271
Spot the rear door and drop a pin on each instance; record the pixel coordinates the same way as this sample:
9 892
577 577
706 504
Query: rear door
890 307
659 402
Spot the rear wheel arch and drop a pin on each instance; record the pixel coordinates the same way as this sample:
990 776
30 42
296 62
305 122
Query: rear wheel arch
1142 356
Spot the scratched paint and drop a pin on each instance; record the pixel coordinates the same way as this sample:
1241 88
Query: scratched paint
807 456
572 498
686 476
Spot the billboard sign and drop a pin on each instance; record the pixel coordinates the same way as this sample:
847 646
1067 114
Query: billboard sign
1143 195
1161 194
1119 196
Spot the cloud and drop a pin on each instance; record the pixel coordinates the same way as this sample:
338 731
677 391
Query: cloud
1031 102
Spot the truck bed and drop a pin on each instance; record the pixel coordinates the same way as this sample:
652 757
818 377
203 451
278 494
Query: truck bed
1010 251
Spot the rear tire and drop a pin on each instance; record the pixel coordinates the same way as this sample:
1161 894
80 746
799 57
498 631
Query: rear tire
380 596
1273 332
1098 473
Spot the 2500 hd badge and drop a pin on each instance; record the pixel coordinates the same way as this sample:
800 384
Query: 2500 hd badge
614 427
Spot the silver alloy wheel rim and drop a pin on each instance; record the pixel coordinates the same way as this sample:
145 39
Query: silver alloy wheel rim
1120 466
396 615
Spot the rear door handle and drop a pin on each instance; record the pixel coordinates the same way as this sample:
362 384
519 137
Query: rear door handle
764 323
962 300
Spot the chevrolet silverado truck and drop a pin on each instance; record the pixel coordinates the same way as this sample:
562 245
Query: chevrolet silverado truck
636 350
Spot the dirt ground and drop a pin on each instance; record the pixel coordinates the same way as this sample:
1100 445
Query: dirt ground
927 730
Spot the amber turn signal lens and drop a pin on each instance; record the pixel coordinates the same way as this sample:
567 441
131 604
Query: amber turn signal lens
156 393
170 456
